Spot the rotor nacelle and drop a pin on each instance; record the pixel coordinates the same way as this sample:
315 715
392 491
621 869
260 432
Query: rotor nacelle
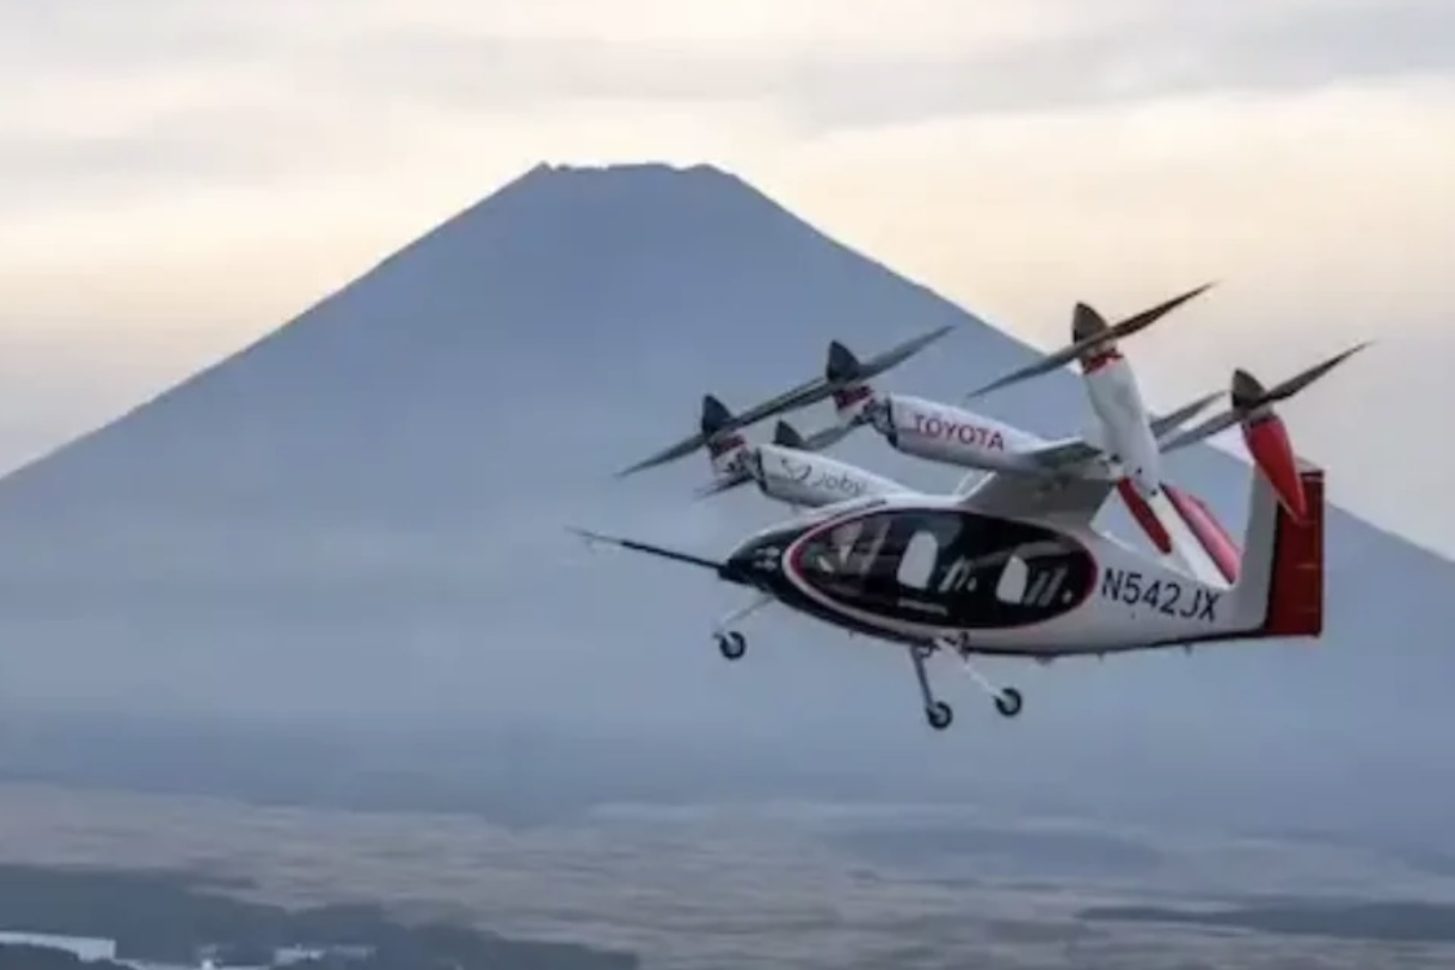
853 395
943 433
724 442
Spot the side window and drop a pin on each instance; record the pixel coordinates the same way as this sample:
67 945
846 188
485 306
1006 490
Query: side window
1013 580
1049 587
917 564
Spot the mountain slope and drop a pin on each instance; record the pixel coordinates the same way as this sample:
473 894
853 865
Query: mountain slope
360 518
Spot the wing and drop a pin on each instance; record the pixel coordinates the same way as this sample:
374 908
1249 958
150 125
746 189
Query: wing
1069 452
1027 496
1058 492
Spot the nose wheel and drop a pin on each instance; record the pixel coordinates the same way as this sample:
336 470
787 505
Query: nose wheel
731 644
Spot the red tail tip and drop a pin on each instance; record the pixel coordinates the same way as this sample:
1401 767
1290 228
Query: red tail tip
1296 594
1267 441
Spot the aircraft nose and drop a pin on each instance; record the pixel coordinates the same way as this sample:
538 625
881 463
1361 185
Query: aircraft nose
738 564
756 561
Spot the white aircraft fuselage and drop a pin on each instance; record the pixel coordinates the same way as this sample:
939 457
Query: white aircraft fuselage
936 570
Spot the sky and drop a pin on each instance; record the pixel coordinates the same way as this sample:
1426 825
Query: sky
177 178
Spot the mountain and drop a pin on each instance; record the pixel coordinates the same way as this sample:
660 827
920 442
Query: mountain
360 520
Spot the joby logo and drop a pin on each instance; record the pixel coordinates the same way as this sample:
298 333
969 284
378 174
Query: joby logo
975 435
797 471
844 484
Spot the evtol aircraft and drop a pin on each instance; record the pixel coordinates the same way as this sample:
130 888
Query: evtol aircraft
1010 563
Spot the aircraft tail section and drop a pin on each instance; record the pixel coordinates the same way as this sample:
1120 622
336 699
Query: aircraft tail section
1296 594
1280 589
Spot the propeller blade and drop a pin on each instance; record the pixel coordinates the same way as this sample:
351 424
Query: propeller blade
1218 422
1146 318
898 355
725 484
809 392
680 450
822 388
1249 395
786 435
828 437
1173 419
1045 365
1293 385
1096 334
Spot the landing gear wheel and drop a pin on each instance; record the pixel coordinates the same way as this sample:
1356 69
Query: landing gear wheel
1008 702
939 715
732 645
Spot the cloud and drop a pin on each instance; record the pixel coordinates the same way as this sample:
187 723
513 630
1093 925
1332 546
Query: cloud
925 67
158 95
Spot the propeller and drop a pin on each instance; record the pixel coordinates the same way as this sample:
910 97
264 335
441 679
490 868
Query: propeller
716 421
1248 395
843 369
1089 333
785 435
1263 430
1173 419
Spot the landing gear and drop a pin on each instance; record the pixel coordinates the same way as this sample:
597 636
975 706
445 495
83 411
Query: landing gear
1008 700
937 712
939 715
731 644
